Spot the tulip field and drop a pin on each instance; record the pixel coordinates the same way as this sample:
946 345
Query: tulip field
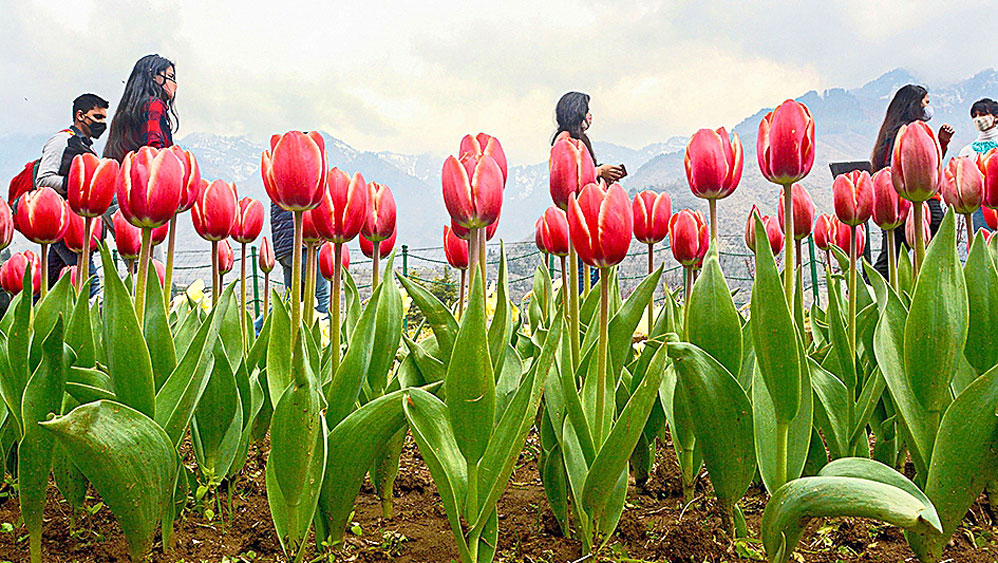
589 420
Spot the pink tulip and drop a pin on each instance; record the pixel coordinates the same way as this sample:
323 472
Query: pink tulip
600 223
652 211
326 259
380 224
773 231
551 232
713 163
909 226
12 272
853 196
214 212
343 208
963 188
484 144
192 178
916 162
225 257
385 247
570 167
842 234
785 145
42 216
455 249
249 221
803 210
6 224
889 209
91 183
74 233
689 237
473 188
266 256
127 237
294 170
150 184
825 229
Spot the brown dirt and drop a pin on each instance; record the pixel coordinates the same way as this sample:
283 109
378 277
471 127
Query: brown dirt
656 526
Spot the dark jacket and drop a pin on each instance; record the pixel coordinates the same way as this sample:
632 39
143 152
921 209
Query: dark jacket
282 230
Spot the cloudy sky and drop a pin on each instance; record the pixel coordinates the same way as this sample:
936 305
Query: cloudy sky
415 78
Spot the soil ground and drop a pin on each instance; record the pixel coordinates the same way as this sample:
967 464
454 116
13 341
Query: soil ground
656 527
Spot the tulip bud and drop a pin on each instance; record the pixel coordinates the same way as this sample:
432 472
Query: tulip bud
161 270
192 178
6 225
71 272
455 249
570 167
266 256
465 234
713 163
74 233
42 216
12 272
551 232
803 210
380 223
294 170
990 217
988 165
773 231
889 209
785 145
473 188
309 232
149 187
842 234
225 257
963 188
909 226
652 212
600 223
853 196
385 247
343 207
214 212
127 237
91 183
825 231
483 144
689 237
916 162
326 260
249 220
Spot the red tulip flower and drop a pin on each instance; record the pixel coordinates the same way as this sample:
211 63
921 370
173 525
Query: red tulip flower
69 271
343 209
785 145
465 234
160 270
91 183
380 224
455 249
773 231
570 167
74 233
824 231
294 170
484 144
12 272
551 232
310 234
226 259
713 163
909 225
385 247
652 211
267 263
192 178
889 209
803 211
127 237
6 224
853 196
916 162
42 216
689 237
326 254
249 221
214 212
149 186
473 188
963 188
600 223
988 165
842 237
990 217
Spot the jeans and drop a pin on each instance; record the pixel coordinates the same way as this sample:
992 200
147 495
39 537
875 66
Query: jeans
321 286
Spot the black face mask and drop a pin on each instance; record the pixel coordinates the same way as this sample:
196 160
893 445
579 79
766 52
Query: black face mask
97 129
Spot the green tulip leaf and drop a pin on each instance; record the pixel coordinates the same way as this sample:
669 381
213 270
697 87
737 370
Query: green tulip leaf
343 390
157 331
713 323
798 436
279 375
981 280
80 334
292 521
439 317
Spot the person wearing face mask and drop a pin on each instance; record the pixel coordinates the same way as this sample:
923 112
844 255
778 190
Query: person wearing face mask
146 115
983 114
910 104
89 123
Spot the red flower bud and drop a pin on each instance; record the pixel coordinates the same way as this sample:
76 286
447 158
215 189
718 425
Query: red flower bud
12 272
484 144
713 163
964 185
853 196
91 183
150 184
472 189
42 216
266 256
343 207
824 231
570 167
326 259
225 257
600 223
889 209
689 237
909 226
127 237
380 223
785 145
773 231
652 211
214 211
551 232
249 220
385 247
842 234
916 162
455 249
802 208
294 170
6 224
192 178
74 233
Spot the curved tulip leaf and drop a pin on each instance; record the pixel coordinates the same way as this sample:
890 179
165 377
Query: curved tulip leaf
387 334
936 329
470 384
80 334
774 338
430 368
128 356
965 455
713 323
278 350
156 329
981 280
343 390
764 425
294 429
873 389
625 321
616 449
831 409
42 398
47 311
129 460
216 410
865 468
184 332
722 420
791 507
257 356
906 276
501 327
11 389
292 521
839 336
437 314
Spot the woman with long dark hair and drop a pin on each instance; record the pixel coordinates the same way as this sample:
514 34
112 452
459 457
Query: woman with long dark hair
910 103
573 117
146 115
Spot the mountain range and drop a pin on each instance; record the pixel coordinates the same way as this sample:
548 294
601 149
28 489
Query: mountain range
846 120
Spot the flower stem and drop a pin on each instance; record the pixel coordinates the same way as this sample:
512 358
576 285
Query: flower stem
296 277
782 434
892 260
215 278
83 264
482 254
45 272
308 302
266 295
713 222
168 275
970 231
573 295
140 283
460 294
604 337
472 257
588 282
651 268
242 298
788 255
374 265
334 307
853 255
919 236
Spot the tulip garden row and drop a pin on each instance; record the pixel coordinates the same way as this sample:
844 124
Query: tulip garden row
105 394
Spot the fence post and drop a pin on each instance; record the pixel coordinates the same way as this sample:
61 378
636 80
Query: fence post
814 270
405 274
551 265
256 285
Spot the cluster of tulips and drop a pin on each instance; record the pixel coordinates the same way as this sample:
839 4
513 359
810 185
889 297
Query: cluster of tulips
106 394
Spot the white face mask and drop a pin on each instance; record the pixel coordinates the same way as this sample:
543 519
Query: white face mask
984 122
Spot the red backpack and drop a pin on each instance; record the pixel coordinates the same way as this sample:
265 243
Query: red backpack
24 181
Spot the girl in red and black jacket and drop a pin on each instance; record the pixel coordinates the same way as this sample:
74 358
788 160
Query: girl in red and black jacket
146 115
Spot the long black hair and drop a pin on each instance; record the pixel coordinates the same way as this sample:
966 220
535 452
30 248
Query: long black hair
570 113
905 108
130 116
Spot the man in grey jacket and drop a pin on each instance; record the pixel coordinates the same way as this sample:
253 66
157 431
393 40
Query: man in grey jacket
89 123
